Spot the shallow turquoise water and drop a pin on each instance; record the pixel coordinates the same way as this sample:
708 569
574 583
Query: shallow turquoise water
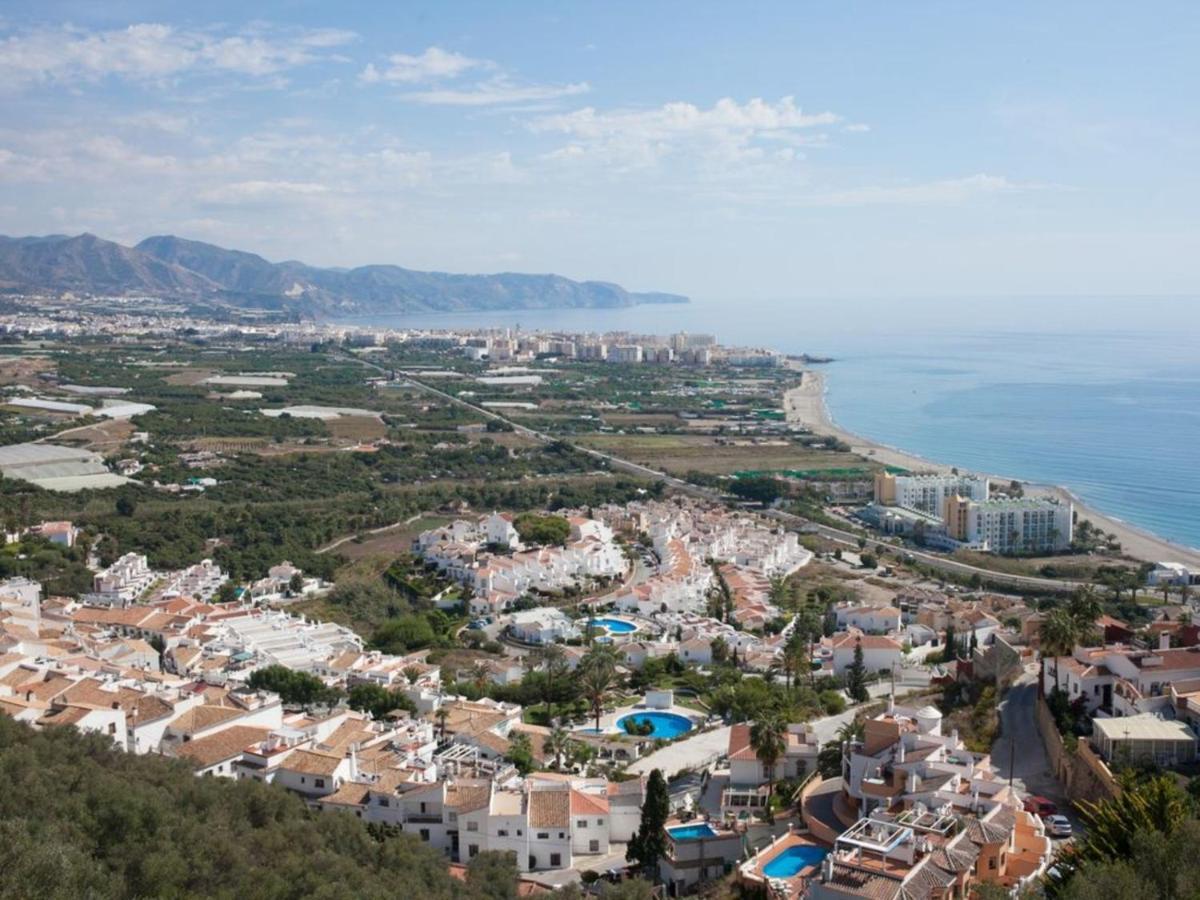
692 832
793 859
615 626
666 725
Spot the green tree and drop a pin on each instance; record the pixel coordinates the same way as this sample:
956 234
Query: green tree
520 752
596 678
294 688
768 739
856 676
558 744
377 700
1057 634
493 875
537 529
649 845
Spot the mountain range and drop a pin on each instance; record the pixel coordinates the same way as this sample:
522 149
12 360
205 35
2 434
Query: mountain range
171 267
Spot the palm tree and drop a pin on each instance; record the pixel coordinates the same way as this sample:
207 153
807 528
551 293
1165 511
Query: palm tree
1084 608
780 591
558 743
552 660
1057 634
768 739
411 674
596 682
441 715
479 676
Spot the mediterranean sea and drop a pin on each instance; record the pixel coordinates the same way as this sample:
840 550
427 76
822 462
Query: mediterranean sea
1100 395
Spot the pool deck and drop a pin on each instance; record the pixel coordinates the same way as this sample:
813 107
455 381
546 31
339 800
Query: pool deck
792 886
608 722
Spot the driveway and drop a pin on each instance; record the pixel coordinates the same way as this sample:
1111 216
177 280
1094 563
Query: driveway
1019 751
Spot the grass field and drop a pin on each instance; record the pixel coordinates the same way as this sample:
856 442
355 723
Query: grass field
356 428
391 543
680 453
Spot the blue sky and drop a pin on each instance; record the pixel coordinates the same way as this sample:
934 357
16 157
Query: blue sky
765 150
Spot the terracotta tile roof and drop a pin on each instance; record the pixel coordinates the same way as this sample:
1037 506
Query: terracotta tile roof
225 744
986 832
201 717
863 884
309 762
739 742
352 793
71 714
588 804
467 797
549 809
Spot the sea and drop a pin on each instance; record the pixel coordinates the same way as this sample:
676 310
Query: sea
1100 395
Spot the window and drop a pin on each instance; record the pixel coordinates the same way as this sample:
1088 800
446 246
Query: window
502 832
593 846
385 801
320 782
581 823
425 834
422 807
599 823
472 826
543 835
555 860
472 851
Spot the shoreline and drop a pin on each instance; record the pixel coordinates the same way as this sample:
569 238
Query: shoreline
807 405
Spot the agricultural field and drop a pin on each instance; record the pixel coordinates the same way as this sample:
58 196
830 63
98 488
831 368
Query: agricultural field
683 453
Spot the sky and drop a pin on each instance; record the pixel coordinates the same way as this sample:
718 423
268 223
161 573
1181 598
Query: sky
720 150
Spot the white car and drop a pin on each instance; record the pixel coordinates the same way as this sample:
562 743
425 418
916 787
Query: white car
1058 826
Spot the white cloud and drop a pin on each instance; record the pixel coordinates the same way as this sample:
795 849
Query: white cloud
435 64
724 134
496 92
256 191
929 193
150 51
857 127
442 71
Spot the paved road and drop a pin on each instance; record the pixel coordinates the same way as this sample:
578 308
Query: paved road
837 535
1019 752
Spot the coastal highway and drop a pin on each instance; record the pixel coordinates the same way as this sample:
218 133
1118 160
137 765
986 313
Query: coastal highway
837 535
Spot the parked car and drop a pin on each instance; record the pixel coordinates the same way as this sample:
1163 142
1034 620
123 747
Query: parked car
1040 806
1058 826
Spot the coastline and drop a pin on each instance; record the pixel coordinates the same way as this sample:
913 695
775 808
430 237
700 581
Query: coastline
806 405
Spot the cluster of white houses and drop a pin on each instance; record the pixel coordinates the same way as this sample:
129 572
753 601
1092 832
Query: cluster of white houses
952 511
688 537
487 556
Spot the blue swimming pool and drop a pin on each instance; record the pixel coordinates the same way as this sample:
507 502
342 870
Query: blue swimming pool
665 725
615 626
793 859
692 832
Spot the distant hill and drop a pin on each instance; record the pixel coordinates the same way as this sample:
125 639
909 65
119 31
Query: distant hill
172 267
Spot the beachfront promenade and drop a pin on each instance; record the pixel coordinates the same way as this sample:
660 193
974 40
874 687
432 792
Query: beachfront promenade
848 538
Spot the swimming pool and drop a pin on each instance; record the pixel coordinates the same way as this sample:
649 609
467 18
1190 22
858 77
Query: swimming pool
692 832
793 859
665 725
615 626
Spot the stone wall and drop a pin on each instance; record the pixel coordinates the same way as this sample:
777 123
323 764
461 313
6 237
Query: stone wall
1076 765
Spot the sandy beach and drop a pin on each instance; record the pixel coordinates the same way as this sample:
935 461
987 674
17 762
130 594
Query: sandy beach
805 405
